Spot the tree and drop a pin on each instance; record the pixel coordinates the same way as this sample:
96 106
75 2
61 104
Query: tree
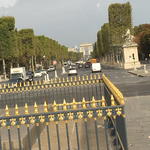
7 39
26 46
142 35
105 31
119 21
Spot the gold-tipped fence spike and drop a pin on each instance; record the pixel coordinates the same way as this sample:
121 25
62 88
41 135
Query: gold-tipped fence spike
26 109
64 105
95 77
7 113
112 101
35 108
103 102
79 78
93 102
54 106
74 104
91 77
87 77
75 78
45 107
83 103
83 78
16 110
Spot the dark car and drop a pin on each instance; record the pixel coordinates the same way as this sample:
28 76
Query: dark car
87 65
80 65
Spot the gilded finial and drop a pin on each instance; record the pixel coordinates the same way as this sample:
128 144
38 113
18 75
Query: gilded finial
103 101
75 78
91 77
45 107
112 101
26 109
35 108
93 102
54 106
7 113
64 105
16 110
74 104
83 78
83 103
79 78
87 77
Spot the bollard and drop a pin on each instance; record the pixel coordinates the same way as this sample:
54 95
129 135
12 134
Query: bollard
145 70
56 76
63 70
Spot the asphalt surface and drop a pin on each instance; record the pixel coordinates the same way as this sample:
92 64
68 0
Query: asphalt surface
129 84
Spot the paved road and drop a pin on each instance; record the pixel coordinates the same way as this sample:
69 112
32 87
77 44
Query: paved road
129 84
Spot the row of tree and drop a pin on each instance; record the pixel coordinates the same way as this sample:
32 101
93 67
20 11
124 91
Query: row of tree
25 48
111 35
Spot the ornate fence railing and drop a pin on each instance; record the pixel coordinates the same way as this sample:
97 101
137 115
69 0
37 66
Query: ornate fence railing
91 123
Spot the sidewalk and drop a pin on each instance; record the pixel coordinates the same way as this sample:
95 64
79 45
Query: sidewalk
140 73
138 122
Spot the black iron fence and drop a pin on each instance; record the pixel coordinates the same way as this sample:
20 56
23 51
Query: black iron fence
59 89
94 122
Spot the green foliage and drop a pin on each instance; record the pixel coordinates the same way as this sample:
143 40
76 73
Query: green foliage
100 47
22 46
119 21
73 56
7 37
105 30
142 38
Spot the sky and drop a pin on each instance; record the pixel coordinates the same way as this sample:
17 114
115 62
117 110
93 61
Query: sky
70 22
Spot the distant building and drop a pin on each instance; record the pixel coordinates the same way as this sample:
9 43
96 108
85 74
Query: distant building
86 49
73 50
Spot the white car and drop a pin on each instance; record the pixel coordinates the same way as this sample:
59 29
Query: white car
72 71
96 67
43 72
38 73
51 68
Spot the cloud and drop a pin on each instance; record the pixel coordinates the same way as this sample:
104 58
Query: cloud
98 5
7 3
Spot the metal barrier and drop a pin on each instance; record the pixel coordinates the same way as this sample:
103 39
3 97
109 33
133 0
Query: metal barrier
55 82
92 123
91 113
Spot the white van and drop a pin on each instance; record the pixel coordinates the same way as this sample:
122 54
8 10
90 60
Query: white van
19 72
96 67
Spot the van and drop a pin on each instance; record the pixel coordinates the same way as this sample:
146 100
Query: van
96 67
19 72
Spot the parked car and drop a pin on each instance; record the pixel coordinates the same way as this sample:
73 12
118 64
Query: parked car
51 68
37 73
72 71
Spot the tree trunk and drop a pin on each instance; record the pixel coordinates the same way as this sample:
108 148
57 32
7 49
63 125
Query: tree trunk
4 69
